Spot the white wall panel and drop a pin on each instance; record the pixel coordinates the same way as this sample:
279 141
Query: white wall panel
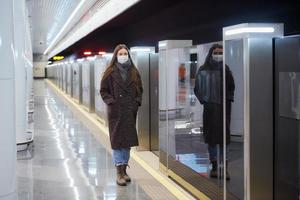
7 104
20 71
39 69
8 138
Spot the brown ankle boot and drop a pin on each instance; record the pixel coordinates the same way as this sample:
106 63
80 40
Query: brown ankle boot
120 176
126 177
214 167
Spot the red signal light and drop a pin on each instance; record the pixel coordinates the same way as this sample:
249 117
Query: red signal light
87 53
101 52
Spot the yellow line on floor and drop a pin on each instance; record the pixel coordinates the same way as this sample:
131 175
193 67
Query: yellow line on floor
159 177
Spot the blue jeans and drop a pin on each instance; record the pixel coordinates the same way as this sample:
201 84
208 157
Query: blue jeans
213 151
121 156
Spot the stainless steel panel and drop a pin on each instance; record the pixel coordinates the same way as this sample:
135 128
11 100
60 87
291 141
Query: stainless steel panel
77 82
69 79
143 121
260 104
85 83
100 107
74 79
55 75
50 73
147 119
91 87
88 99
154 114
60 76
64 78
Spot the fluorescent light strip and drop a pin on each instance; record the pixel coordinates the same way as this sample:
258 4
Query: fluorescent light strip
80 59
141 50
110 10
250 30
91 57
64 27
162 44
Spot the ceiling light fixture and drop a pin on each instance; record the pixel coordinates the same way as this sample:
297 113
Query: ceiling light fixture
250 30
64 27
101 52
87 53
98 17
140 50
162 44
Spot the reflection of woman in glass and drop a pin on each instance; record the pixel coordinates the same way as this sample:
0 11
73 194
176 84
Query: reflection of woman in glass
209 91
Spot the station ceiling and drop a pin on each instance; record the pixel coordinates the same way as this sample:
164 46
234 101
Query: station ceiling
47 17
150 21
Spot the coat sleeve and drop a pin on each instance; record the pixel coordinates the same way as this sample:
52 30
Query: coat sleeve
197 87
106 92
139 91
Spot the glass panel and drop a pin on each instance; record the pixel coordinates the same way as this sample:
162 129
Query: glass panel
212 117
183 148
163 112
179 113
234 58
208 86
287 116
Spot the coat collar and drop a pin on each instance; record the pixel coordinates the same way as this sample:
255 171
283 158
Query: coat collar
117 77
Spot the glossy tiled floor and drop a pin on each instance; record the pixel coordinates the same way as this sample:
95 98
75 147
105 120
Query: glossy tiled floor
66 161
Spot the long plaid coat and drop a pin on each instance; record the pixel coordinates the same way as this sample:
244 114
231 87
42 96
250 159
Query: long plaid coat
122 99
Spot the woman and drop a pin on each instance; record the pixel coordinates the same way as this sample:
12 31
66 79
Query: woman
121 89
209 91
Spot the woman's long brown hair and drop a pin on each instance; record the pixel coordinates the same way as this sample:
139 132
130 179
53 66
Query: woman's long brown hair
110 67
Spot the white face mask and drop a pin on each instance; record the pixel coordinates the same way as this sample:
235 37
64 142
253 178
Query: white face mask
217 58
122 59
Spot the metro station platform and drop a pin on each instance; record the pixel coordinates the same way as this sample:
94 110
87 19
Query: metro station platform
71 158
